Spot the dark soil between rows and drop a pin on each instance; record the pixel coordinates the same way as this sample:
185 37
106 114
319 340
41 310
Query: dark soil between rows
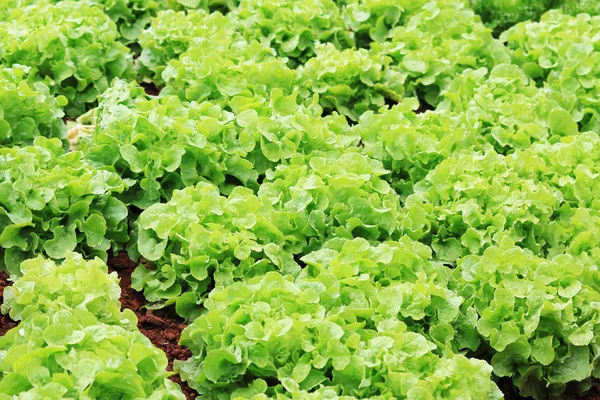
6 323
162 327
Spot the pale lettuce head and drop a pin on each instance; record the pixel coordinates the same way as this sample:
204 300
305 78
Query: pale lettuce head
292 28
53 202
27 110
72 284
200 237
165 144
69 354
171 33
539 316
351 81
438 41
336 330
71 46
559 52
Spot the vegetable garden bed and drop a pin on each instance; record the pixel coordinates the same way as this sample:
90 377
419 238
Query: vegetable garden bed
280 199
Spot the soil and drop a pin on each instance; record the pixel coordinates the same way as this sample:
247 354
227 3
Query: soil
162 327
6 323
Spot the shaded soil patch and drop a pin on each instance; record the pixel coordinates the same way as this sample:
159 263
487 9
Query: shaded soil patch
6 323
162 327
150 88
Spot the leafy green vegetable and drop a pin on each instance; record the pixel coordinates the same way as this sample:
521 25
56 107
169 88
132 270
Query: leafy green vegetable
372 20
539 316
164 144
54 202
225 68
438 41
337 330
73 341
351 81
559 52
472 200
27 110
292 27
70 354
71 46
72 285
575 7
501 15
199 237
508 109
171 34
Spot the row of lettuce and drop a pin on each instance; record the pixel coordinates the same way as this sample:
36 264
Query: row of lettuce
324 242
73 341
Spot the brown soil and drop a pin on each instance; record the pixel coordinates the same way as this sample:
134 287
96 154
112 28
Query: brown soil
150 88
162 327
6 323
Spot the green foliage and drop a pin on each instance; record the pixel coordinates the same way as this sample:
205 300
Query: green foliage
200 237
411 144
27 110
438 41
500 15
574 7
73 341
171 34
373 20
337 330
508 109
293 27
472 200
227 69
69 354
71 46
345 199
560 53
72 285
164 144
351 82
538 315
54 202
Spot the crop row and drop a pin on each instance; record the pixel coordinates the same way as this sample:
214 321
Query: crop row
351 199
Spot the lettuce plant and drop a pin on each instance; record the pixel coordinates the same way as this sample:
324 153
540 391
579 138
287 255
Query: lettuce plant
72 46
164 144
54 202
133 16
27 110
291 27
73 341
412 144
468 199
537 315
351 81
74 284
501 15
471 200
171 33
438 41
559 52
508 109
575 7
69 354
199 237
337 330
226 68
373 20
